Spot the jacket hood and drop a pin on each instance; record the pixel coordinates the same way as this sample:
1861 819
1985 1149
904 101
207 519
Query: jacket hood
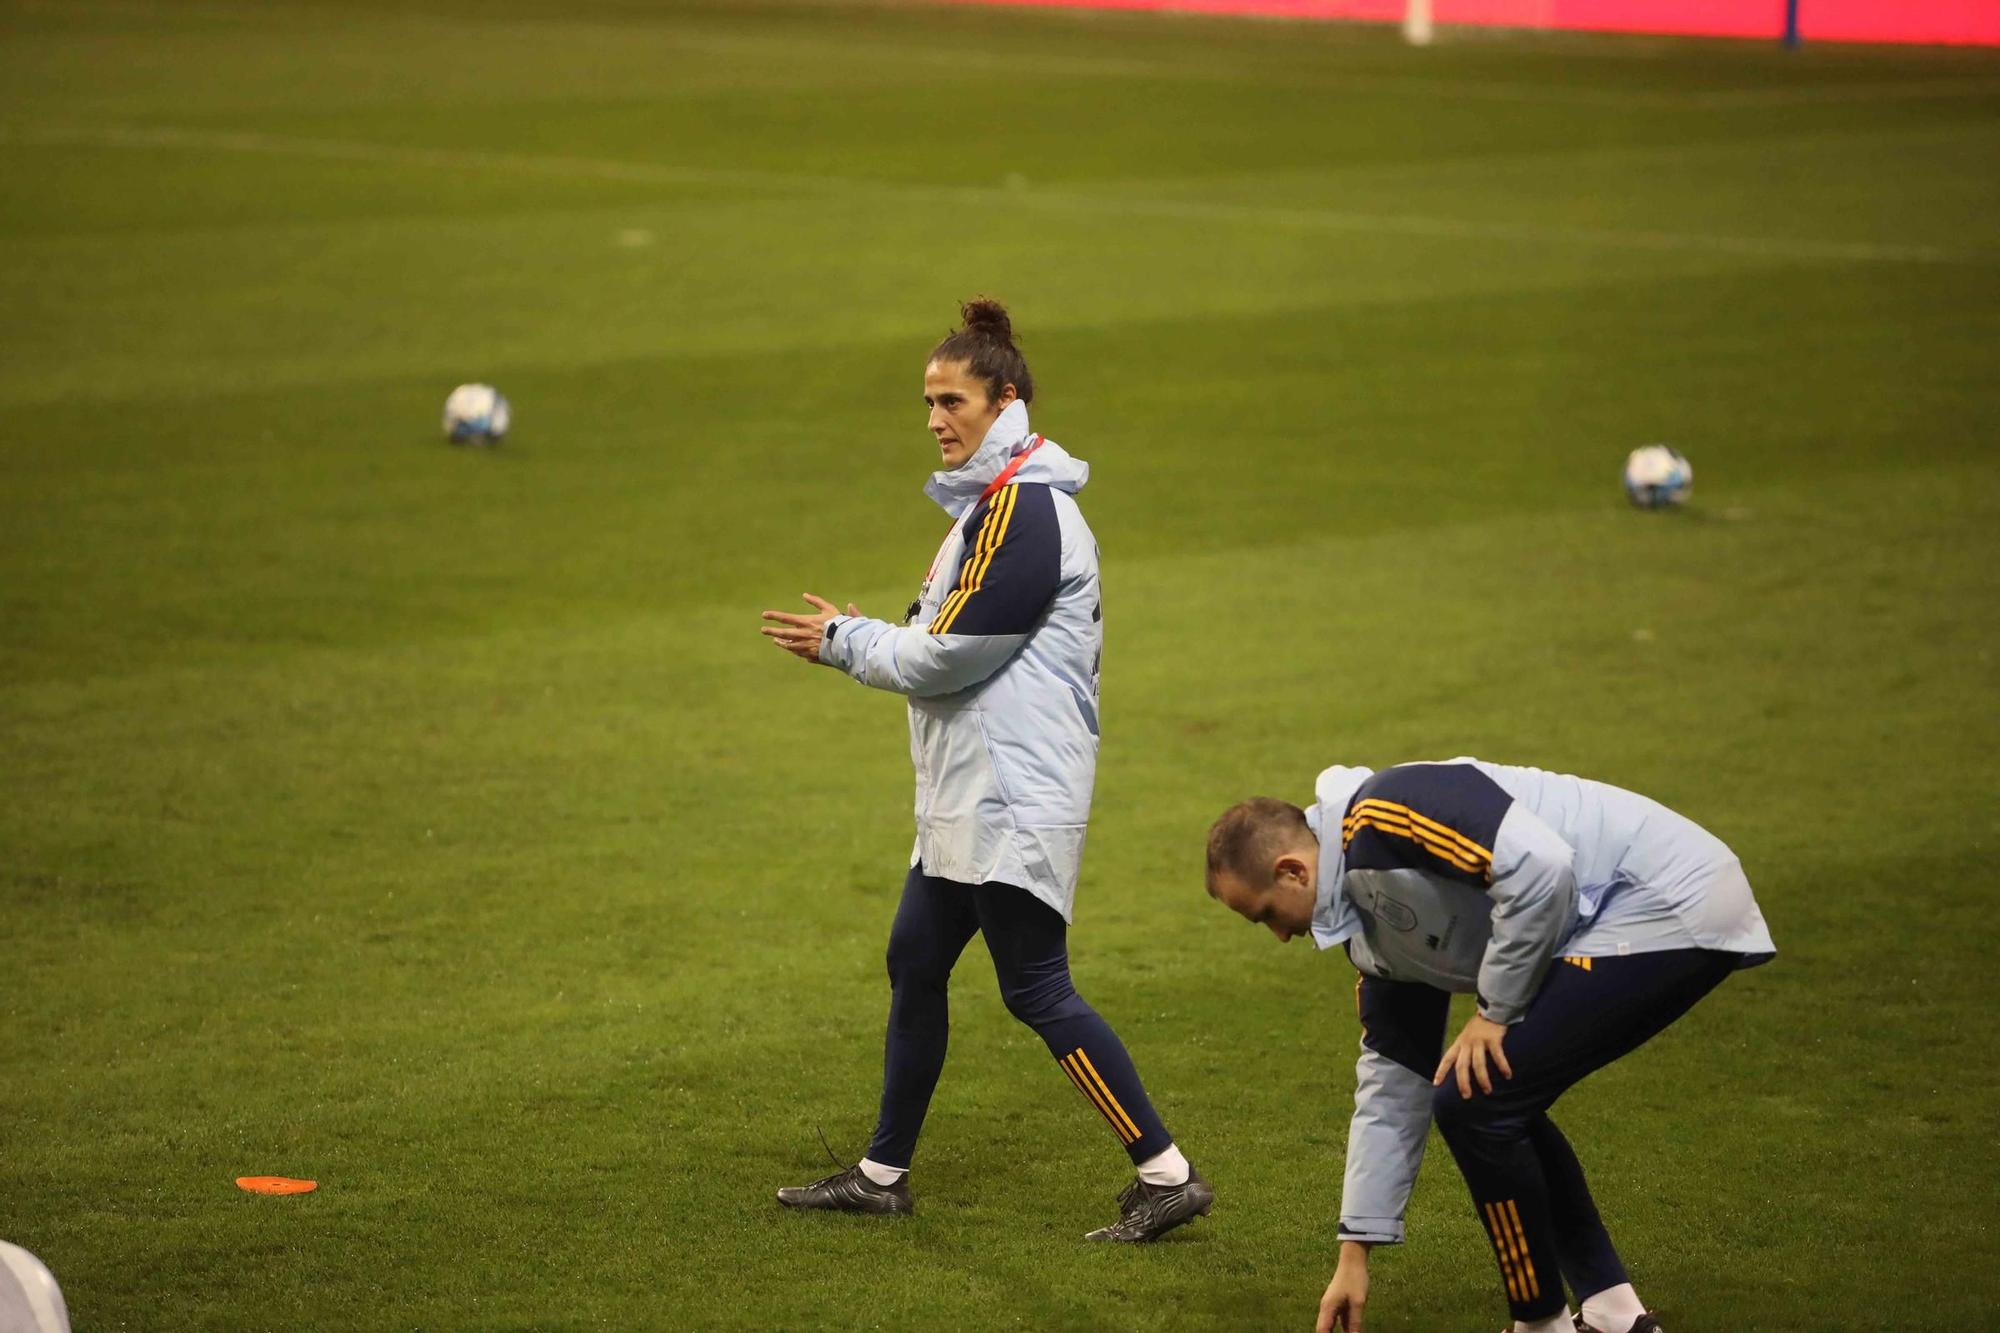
1334 918
1051 465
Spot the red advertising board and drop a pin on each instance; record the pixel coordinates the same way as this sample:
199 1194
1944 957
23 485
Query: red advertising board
1948 22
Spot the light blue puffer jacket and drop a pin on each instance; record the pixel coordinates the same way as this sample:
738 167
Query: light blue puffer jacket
999 658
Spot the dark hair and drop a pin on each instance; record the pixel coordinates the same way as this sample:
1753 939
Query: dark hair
1251 835
985 343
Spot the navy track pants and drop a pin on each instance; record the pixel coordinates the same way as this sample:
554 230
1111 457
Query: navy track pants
1526 1183
1028 939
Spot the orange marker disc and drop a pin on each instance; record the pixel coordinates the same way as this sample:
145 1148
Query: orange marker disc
275 1185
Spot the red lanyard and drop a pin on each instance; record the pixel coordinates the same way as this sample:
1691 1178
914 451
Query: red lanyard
1007 473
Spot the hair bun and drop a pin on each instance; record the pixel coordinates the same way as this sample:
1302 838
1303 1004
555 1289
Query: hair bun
984 344
987 318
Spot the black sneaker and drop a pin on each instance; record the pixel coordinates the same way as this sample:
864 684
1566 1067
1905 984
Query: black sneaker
1646 1323
851 1191
1148 1212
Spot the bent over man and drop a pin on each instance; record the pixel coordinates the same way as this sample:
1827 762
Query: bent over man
1585 919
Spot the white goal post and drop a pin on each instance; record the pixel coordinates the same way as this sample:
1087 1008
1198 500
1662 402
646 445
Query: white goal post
1417 22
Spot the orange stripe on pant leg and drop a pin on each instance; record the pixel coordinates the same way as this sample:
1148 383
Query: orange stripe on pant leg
1500 1251
1106 1089
1090 1095
1064 1066
1517 1245
1084 1088
1527 1264
1517 1255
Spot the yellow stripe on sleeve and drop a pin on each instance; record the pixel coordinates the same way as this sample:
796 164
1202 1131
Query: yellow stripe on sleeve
1442 841
965 574
1424 822
991 533
1402 828
969 563
983 555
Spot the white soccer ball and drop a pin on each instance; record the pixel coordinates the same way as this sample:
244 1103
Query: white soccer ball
476 414
1657 476
30 1300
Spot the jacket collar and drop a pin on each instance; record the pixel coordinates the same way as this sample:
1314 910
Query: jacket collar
1335 919
960 488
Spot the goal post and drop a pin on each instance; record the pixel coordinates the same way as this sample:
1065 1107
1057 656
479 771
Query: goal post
1417 22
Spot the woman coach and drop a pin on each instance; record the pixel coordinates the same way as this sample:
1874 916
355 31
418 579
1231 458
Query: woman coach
999 658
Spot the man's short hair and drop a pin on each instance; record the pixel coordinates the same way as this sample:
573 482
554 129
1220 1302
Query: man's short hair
1251 835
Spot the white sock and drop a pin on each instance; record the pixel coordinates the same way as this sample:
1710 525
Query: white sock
883 1175
1555 1323
1169 1168
1613 1310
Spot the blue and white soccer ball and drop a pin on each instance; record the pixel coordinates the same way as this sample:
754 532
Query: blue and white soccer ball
1657 476
476 414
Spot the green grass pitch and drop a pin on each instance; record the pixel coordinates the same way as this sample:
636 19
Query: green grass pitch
433 823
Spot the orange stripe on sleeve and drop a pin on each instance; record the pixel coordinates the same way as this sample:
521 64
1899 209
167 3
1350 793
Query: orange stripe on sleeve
991 533
949 607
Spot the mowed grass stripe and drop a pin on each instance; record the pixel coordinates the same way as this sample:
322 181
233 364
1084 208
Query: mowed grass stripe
389 532
1126 204
475 298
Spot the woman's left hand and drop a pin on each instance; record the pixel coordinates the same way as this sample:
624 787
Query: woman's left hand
801 635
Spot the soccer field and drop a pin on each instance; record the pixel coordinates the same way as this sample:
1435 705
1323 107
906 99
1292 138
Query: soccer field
433 823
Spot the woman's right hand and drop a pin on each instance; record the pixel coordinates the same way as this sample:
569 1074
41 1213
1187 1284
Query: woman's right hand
800 635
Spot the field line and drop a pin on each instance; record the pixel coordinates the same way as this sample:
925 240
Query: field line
450 159
1072 201
1275 182
1838 94
1403 224
1497 90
